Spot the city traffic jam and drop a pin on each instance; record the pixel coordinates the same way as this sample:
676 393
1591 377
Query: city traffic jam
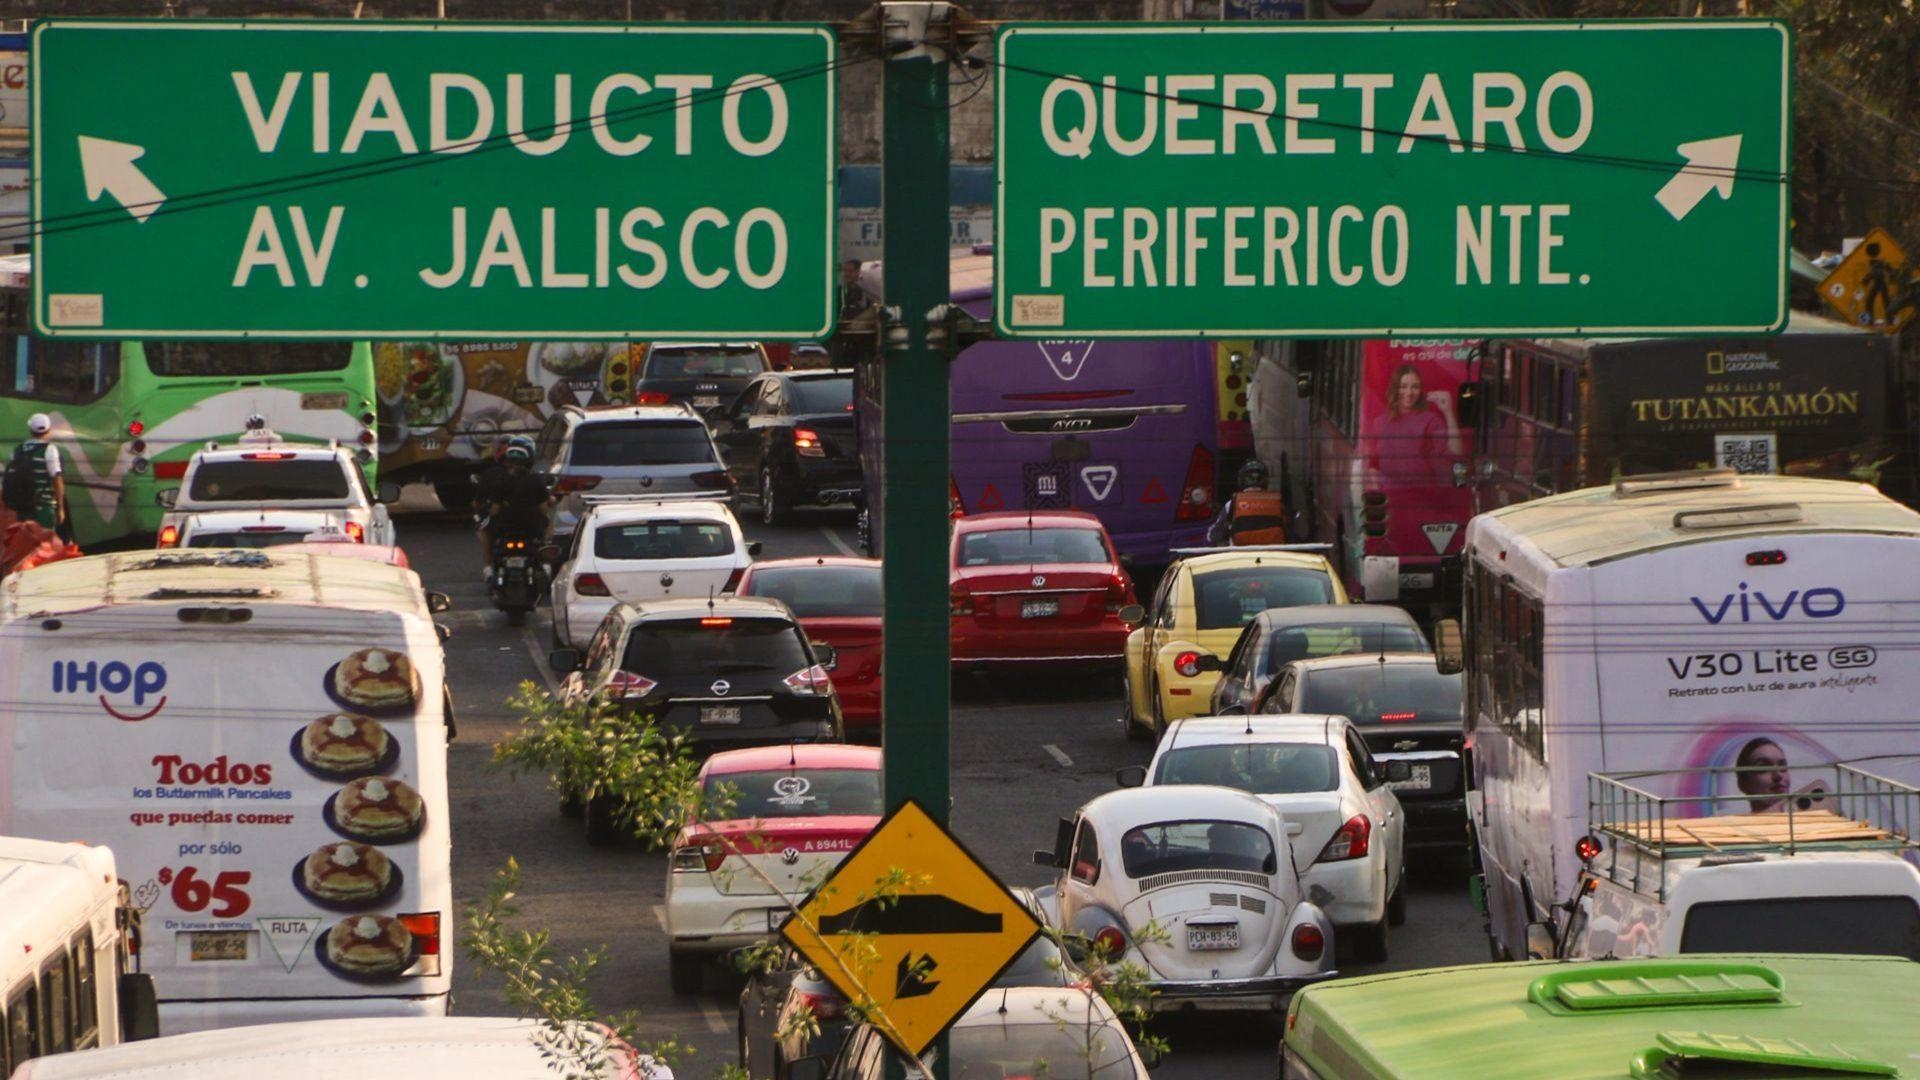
1358 685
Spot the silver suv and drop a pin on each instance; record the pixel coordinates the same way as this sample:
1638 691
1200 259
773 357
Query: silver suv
607 453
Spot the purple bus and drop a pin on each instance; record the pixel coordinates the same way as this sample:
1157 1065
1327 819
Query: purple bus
1126 430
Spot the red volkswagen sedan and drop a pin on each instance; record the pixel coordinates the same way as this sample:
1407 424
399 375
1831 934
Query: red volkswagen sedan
1044 586
838 602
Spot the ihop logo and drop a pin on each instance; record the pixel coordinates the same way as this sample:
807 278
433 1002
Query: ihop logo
124 690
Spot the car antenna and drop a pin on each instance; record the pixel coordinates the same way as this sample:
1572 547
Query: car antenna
793 756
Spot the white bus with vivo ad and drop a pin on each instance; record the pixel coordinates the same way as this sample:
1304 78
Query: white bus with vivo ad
1728 631
260 737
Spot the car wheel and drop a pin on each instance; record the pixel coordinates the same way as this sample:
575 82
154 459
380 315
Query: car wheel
685 971
774 507
1129 719
1370 942
1397 903
603 826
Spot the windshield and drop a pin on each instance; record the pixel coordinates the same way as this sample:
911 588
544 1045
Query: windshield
179 359
1383 693
1196 845
258 538
1039 1047
663 540
722 361
1857 925
1017 547
1262 768
286 480
788 793
1225 598
1335 639
711 647
823 395
822 592
641 442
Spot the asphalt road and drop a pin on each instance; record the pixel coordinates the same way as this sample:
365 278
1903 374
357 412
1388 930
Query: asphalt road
1025 751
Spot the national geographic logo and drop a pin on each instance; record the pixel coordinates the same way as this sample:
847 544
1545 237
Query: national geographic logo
1740 363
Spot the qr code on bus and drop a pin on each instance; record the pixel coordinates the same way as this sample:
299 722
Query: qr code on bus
1751 452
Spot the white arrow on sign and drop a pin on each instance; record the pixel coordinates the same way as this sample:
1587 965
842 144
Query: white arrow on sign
1710 165
109 169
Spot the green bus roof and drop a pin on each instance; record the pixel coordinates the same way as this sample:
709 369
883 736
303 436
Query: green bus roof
1720 1015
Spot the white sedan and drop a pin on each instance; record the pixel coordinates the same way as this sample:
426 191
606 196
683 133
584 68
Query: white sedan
262 472
259 528
635 550
1348 830
1197 885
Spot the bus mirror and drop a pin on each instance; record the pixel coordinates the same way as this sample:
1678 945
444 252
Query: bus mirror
1469 405
139 1007
1304 384
1447 652
166 497
1133 615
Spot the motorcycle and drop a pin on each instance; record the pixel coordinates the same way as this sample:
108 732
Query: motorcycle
519 577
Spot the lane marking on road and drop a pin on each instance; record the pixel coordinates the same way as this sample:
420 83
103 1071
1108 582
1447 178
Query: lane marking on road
660 916
539 660
716 1023
1058 755
834 539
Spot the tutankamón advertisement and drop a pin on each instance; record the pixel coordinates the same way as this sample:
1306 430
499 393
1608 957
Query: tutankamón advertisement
274 793
1707 661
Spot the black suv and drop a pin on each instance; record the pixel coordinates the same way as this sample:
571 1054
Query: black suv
702 376
788 439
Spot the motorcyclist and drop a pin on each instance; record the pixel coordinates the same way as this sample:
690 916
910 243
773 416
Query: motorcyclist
516 500
1255 514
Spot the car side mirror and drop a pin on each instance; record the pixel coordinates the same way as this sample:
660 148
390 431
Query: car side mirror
1399 772
139 1006
753 548
166 497
1043 858
1131 776
1209 662
807 1068
825 655
443 632
563 661
1449 653
438 602
387 492
1133 615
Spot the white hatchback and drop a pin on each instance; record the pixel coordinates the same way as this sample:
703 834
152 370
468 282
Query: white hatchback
645 549
1349 834
262 472
265 527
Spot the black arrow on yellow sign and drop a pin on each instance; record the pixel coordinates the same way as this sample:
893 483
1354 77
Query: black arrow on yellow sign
913 976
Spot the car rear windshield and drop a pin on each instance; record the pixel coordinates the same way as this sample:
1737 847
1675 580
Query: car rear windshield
714 646
821 592
641 442
288 480
823 395
184 359
1392 693
1335 639
1038 1047
1859 925
1042 964
1017 547
723 361
663 540
1196 845
1225 598
794 793
242 539
1262 768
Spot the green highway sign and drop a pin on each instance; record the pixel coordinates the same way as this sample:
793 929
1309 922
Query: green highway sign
310 179
1209 179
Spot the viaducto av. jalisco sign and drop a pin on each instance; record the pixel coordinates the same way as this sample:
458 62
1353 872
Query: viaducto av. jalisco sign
1410 179
312 179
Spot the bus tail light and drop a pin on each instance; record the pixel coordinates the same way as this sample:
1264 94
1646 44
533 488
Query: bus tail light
1350 842
1112 941
135 428
590 585
567 485
169 536
425 927
1187 664
1308 942
806 443
1196 494
1766 558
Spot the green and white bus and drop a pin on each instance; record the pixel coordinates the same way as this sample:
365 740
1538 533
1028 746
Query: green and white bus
128 415
1725 1016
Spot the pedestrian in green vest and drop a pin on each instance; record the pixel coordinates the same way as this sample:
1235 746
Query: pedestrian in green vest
49 486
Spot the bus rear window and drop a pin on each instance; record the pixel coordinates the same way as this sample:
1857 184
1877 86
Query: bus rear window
201 359
269 481
641 442
1224 598
1855 925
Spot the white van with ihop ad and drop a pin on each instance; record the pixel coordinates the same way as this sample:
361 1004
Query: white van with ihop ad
260 737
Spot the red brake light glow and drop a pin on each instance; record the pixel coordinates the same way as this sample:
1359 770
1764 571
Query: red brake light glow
1766 558
136 428
1196 494
1187 664
169 536
590 585
716 623
1350 842
806 443
1390 717
262 456
1587 847
357 531
651 397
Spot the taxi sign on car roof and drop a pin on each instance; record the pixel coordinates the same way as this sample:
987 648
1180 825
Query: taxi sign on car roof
913 926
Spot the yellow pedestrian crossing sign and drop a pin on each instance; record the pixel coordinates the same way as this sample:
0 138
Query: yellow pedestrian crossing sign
912 926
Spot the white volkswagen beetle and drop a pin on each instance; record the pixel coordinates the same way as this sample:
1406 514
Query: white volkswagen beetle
1210 869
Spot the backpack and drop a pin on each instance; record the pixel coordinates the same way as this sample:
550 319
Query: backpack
17 486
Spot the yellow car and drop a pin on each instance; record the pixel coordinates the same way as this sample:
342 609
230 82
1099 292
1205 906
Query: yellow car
1203 601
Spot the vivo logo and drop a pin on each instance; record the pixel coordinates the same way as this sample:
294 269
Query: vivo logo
1821 603
143 680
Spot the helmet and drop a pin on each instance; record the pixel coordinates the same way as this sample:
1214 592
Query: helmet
1253 476
516 454
521 441
39 423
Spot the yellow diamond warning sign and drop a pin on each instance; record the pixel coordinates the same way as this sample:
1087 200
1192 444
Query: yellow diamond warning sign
1871 287
912 925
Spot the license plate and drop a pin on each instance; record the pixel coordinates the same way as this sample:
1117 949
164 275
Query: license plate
1039 609
719 714
776 916
1200 938
332 400
218 944
1420 780
1416 581
516 560
706 401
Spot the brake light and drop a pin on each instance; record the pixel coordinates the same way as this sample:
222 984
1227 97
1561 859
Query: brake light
1587 848
718 478
263 528
357 531
651 397
366 438
590 585
959 601
806 443
135 428
1187 664
1112 941
1766 558
733 579
425 926
1350 842
261 456
627 686
1392 717
702 857
169 536
1308 942
955 507
1119 593
823 1006
716 622
569 484
810 681
1196 494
